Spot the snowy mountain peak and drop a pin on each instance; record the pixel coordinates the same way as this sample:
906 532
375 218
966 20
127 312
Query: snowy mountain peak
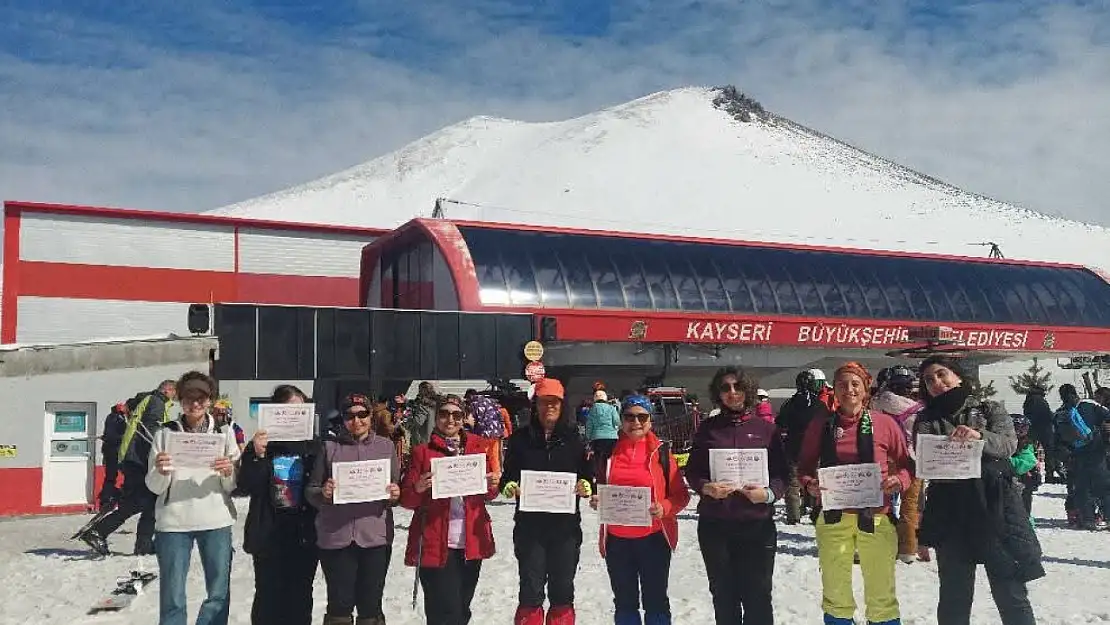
692 161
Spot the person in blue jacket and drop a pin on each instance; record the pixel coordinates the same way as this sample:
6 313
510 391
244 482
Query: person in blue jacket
602 425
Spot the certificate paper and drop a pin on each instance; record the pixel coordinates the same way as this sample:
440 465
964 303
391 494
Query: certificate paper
624 505
459 476
287 422
360 481
941 458
548 491
739 467
194 451
851 487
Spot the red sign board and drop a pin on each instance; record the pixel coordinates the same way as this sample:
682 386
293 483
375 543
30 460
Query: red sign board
603 326
534 372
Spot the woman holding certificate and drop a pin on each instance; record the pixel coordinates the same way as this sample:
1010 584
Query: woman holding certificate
854 462
640 556
450 536
353 485
738 466
976 520
192 472
546 471
280 532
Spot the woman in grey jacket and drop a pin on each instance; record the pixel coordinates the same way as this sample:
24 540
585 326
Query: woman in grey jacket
355 539
976 521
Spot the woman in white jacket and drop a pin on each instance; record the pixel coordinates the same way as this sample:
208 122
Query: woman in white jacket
194 504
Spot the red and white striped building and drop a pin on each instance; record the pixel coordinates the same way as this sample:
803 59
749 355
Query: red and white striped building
125 273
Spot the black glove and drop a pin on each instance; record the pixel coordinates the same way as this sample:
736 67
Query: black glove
109 496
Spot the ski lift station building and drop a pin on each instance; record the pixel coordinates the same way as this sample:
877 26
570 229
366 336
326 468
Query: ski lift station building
337 309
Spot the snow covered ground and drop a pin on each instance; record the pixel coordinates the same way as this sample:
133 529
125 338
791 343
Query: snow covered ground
48 579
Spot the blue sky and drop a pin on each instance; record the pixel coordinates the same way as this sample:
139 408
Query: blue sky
194 105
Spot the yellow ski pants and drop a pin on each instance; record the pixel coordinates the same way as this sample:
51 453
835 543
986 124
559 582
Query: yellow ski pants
837 546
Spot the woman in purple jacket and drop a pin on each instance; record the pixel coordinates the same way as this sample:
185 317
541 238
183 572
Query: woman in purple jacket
736 529
355 539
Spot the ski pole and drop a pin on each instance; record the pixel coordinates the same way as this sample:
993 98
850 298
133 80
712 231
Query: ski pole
419 558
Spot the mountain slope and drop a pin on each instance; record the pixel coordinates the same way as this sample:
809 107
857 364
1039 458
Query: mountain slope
676 162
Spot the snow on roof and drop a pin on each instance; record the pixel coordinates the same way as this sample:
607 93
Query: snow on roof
676 163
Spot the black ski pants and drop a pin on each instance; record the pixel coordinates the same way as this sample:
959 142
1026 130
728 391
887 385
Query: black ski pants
355 578
135 498
547 558
957 591
283 578
740 563
639 566
448 591
1092 486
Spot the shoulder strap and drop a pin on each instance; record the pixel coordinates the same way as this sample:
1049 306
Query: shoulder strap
665 462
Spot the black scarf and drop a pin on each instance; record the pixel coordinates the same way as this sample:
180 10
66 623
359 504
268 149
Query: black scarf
865 443
947 404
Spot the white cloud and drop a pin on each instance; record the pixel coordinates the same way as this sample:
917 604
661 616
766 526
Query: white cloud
1010 101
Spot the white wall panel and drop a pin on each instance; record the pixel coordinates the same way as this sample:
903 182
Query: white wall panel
65 320
95 240
301 253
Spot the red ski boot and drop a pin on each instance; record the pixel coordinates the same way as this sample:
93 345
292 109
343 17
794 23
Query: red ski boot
528 615
560 615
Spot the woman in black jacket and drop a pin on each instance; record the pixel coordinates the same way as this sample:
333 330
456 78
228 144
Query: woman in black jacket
547 546
976 521
280 532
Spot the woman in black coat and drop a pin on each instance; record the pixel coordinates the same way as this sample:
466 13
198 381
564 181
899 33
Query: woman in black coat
280 530
976 521
547 546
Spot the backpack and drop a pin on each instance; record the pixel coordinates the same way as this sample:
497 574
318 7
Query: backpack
1072 429
487 417
665 462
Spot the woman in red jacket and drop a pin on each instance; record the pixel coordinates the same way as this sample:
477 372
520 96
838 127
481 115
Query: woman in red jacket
640 557
449 537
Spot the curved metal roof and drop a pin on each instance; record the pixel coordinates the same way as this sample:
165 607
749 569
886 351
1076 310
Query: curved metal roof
532 268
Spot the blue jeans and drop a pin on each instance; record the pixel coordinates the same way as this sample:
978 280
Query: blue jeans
174 550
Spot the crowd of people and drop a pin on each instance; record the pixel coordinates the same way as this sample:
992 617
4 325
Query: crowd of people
294 526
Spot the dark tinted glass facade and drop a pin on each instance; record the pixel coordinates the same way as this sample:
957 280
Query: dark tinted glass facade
547 270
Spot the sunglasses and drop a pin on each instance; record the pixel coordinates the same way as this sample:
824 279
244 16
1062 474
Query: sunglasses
729 387
456 415
358 414
641 417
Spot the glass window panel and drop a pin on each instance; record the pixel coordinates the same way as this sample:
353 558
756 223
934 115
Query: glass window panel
736 284
519 276
687 281
840 269
757 283
710 281
631 275
658 278
577 275
935 292
801 273
782 283
886 270
604 274
872 287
